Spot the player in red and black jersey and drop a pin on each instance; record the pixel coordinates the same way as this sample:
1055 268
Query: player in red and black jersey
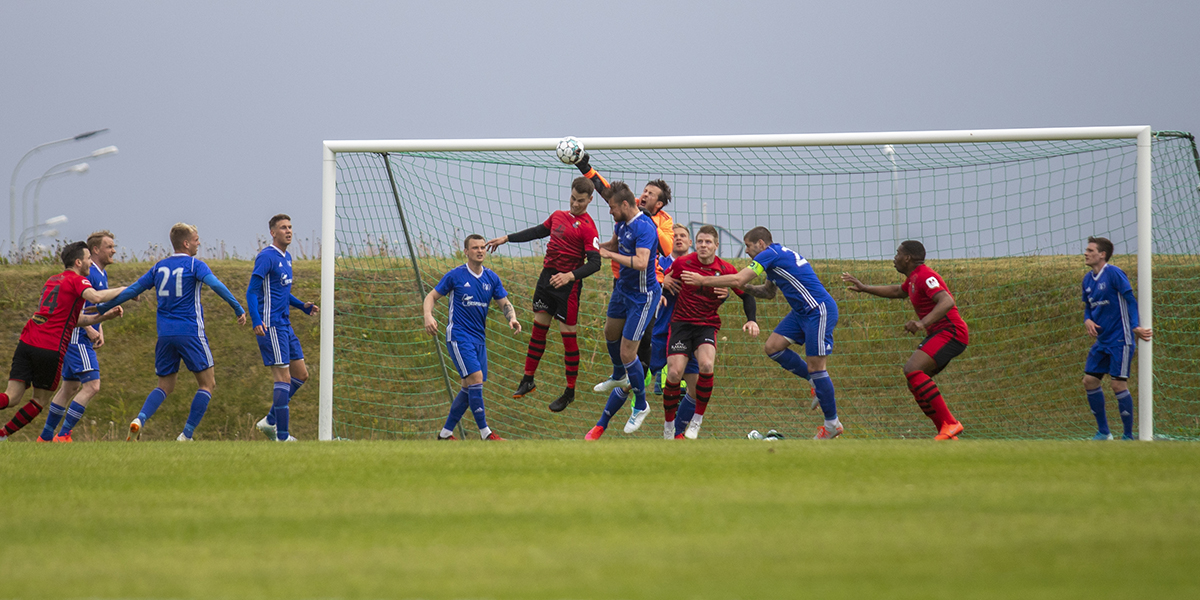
573 240
937 315
694 327
37 361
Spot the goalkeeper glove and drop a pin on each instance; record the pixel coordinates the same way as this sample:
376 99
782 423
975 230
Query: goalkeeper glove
584 166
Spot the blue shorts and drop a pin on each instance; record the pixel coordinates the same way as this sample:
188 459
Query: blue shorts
814 329
468 358
636 308
79 364
1113 360
279 347
193 350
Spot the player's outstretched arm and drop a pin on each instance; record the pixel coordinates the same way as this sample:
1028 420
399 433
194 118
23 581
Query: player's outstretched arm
883 291
211 281
124 295
598 180
510 313
98 296
739 279
427 309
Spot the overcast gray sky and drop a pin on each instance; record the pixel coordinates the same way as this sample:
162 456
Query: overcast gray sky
219 108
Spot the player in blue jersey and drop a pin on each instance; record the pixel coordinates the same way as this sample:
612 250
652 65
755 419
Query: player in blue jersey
81 370
269 298
812 319
631 307
470 289
176 281
1110 315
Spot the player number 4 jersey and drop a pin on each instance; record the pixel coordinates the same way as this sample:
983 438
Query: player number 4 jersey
571 238
62 298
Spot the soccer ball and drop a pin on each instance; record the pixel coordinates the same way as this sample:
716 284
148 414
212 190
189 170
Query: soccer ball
569 150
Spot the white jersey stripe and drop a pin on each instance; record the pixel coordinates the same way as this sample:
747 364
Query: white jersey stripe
808 298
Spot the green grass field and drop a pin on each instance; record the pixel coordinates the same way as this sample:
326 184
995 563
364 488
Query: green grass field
615 519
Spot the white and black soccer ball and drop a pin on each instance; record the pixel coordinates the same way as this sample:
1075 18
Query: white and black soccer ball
569 150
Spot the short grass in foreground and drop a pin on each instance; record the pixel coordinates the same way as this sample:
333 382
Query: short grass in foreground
615 519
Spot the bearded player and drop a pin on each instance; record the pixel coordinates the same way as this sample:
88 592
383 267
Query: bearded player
937 316
654 197
694 327
573 238
38 359
811 322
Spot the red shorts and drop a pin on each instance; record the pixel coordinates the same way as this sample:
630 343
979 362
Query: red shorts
942 346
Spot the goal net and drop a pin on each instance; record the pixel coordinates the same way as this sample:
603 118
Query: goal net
1003 214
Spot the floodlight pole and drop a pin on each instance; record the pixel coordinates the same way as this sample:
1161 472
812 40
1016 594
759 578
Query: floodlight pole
12 183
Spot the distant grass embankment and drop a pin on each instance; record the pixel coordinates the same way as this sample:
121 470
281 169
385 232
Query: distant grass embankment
1019 377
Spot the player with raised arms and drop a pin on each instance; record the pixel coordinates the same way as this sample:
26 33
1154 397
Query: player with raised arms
694 326
269 298
937 315
81 369
573 239
811 321
470 288
656 195
1110 315
177 281
38 359
632 248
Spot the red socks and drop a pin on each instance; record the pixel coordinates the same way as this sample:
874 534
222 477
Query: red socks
671 395
28 413
704 387
929 398
537 347
571 357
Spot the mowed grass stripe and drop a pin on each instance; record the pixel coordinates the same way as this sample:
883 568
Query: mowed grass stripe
616 519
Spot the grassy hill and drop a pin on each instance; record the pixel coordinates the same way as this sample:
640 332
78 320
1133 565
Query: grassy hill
1020 377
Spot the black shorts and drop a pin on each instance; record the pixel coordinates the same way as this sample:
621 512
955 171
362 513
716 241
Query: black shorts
562 303
37 367
941 347
684 338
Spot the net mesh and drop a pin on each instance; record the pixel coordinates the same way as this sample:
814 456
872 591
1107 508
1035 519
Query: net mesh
1003 223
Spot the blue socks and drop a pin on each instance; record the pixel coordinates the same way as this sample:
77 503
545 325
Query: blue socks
199 407
458 408
792 363
687 408
292 389
74 414
637 383
1124 405
616 400
52 421
824 387
475 399
279 409
153 401
614 352
1095 400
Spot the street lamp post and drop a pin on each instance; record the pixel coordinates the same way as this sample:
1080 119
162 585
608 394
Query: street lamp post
891 154
79 168
51 222
37 190
12 184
